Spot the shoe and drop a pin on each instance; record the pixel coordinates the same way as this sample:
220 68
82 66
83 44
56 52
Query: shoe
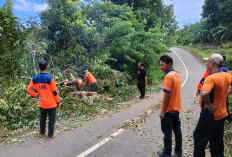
41 135
141 97
52 137
162 154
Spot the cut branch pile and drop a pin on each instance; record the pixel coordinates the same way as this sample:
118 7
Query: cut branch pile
79 93
75 82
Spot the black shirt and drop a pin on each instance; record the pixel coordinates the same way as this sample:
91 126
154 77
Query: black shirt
141 74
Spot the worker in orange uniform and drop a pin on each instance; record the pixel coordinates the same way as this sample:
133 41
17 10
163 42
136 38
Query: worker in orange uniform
170 108
206 74
210 127
48 98
89 78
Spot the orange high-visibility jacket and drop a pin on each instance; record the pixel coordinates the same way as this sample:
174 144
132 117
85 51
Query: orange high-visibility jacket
46 87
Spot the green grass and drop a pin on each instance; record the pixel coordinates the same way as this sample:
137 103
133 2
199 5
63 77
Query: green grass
205 51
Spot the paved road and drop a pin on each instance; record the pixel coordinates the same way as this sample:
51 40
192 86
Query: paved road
141 141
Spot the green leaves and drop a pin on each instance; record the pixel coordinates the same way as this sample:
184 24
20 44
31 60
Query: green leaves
60 20
127 47
11 43
223 32
119 29
15 104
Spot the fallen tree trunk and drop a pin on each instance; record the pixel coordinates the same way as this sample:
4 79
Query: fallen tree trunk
93 94
63 83
83 93
68 83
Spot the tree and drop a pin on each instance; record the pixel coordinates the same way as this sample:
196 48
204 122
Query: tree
101 15
127 47
59 21
216 25
11 43
225 12
151 13
210 9
35 45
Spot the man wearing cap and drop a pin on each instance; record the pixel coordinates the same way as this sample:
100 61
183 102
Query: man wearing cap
89 78
49 99
206 74
210 127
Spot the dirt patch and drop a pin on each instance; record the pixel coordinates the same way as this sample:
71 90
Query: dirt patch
8 136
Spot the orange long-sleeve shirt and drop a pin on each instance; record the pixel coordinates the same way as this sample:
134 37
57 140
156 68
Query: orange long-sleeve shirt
46 87
90 78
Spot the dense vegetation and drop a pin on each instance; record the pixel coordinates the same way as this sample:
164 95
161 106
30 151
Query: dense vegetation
108 38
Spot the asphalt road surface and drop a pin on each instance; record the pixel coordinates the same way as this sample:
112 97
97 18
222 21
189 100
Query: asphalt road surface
104 137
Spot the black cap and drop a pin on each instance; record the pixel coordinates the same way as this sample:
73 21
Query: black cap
43 64
224 58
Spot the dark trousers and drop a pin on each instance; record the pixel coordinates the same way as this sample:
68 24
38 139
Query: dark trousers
141 87
169 124
93 87
52 118
212 132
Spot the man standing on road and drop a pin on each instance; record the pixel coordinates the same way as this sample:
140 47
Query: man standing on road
91 80
206 74
49 99
170 109
142 79
210 127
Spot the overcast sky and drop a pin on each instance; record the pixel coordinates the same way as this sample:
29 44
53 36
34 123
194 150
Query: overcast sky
186 11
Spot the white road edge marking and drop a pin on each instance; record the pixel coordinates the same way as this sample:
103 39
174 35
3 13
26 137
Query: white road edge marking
184 67
99 144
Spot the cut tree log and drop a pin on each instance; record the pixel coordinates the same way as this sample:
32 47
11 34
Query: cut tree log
63 83
106 98
92 94
68 83
83 93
